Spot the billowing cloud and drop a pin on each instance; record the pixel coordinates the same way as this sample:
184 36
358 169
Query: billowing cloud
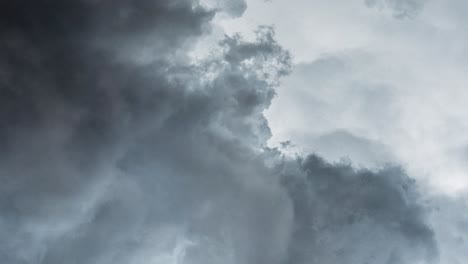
357 216
117 147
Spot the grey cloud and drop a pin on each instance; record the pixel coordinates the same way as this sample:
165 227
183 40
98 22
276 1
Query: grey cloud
357 216
450 220
400 8
234 8
106 159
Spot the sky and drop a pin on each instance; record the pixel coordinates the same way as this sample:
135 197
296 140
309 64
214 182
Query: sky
377 72
232 131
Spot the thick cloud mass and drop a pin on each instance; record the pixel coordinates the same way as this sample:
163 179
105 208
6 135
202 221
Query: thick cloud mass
116 148
343 215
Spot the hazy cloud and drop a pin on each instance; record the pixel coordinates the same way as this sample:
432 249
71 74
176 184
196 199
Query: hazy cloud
341 144
399 8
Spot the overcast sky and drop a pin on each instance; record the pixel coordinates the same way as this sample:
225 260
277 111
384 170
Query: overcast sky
233 132
385 79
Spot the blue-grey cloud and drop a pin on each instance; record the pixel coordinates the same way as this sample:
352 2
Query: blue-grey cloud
357 216
117 148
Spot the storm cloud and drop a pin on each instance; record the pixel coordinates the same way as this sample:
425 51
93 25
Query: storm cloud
118 147
357 216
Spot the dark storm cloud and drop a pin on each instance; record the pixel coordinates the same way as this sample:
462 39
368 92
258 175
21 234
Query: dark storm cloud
117 149
356 216
108 160
399 8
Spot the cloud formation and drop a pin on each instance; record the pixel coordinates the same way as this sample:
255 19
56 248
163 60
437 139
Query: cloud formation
357 216
118 148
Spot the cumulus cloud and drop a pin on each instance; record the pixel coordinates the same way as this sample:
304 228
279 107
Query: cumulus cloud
118 148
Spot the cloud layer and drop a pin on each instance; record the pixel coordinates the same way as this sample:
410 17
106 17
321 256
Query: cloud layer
119 148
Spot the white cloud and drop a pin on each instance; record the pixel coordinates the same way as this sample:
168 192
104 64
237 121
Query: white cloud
400 82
